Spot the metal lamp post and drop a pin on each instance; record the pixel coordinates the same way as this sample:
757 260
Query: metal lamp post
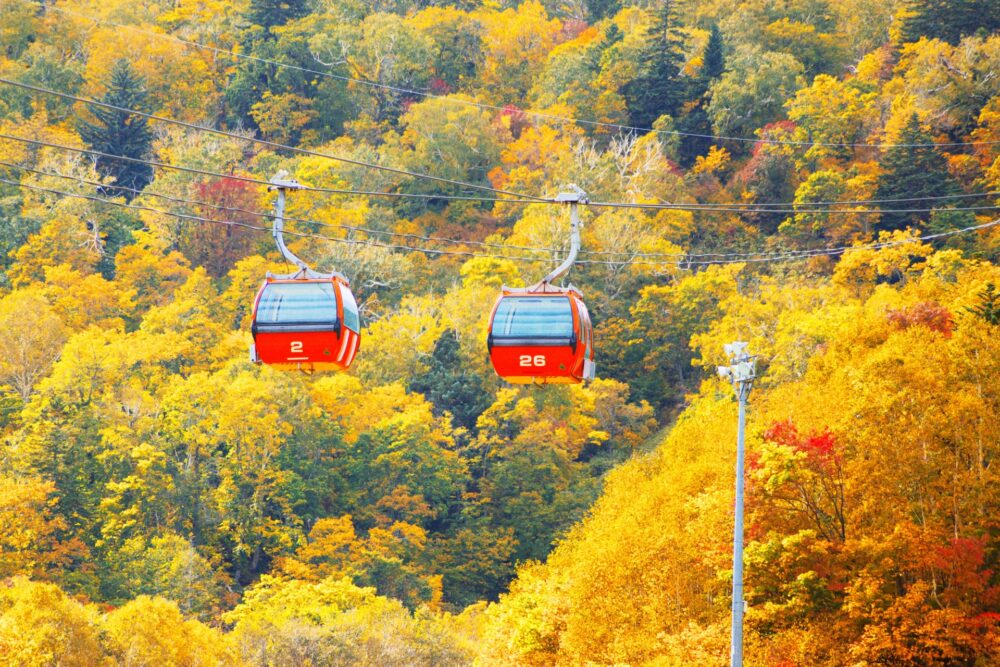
741 373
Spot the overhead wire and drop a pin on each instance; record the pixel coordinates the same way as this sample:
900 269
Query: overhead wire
269 144
734 207
261 214
630 255
724 209
687 263
247 179
500 246
534 114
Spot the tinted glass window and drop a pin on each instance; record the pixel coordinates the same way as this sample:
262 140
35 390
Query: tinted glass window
297 302
352 319
518 317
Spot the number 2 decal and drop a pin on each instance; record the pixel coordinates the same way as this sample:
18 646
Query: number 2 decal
296 346
528 360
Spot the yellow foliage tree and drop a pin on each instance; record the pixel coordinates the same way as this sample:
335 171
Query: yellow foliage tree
150 631
398 347
286 621
30 529
65 239
150 270
85 300
31 338
515 44
40 625
179 80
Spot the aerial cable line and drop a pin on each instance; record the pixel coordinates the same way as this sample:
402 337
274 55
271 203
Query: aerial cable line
535 114
247 179
200 219
193 202
271 144
801 211
500 246
733 207
229 223
834 202
684 263
631 255
262 214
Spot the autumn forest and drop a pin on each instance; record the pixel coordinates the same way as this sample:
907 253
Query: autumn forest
818 178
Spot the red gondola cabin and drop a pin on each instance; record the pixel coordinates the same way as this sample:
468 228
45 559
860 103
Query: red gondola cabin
541 337
309 324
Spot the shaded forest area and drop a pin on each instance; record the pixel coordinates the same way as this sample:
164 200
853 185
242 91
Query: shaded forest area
817 178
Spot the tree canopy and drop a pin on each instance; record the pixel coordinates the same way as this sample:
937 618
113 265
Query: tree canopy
816 178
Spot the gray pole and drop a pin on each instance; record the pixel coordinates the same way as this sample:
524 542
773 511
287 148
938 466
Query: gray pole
736 639
741 374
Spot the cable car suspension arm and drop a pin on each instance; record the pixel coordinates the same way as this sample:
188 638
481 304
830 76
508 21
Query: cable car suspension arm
574 199
281 185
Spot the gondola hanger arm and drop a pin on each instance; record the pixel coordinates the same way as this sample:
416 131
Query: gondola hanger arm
574 197
282 184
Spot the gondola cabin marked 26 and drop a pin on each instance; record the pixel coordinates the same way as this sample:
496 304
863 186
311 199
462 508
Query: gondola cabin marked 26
541 337
542 334
309 324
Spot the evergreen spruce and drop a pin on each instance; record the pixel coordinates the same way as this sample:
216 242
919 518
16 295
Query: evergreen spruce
714 60
660 89
950 20
450 386
121 133
612 36
912 171
988 308
601 51
270 13
696 122
600 9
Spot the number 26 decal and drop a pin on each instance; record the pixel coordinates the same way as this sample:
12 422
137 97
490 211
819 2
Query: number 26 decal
528 360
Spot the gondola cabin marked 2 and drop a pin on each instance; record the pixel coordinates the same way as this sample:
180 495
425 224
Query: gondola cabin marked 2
306 320
541 337
543 334
309 324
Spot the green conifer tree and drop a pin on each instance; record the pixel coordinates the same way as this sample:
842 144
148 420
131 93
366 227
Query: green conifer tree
449 386
988 308
714 59
696 123
121 133
950 20
660 89
912 170
270 13
600 9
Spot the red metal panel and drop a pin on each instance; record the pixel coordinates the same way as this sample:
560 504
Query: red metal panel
538 364
304 350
